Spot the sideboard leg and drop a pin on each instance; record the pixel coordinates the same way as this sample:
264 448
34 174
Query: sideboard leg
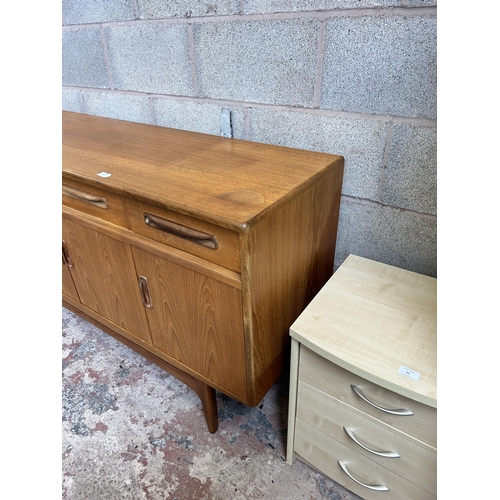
208 399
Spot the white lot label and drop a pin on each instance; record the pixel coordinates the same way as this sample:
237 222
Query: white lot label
408 372
104 174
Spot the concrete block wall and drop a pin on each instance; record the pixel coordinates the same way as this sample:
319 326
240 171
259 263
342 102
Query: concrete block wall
351 77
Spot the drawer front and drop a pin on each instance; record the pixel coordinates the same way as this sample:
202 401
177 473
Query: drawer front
324 454
416 461
205 240
329 378
93 201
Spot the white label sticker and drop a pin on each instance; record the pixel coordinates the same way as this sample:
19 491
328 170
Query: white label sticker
408 372
104 174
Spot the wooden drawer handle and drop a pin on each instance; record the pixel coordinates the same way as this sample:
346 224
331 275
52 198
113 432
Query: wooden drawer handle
66 260
401 412
376 487
78 194
145 293
385 454
188 233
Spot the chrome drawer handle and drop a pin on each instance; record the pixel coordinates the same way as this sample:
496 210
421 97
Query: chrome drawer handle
385 454
188 233
376 487
401 412
86 197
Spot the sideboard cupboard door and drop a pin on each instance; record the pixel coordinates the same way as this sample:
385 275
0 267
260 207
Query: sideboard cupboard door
104 275
196 320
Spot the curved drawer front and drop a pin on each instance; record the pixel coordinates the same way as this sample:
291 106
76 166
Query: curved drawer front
376 441
336 382
93 201
213 243
324 453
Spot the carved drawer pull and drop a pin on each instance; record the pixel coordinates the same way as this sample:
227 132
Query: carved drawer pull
78 194
204 239
376 487
386 454
145 293
400 412
65 256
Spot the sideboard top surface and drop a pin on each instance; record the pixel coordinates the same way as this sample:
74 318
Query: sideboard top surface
222 180
377 320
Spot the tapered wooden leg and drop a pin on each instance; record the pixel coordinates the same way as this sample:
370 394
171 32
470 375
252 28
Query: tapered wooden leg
208 399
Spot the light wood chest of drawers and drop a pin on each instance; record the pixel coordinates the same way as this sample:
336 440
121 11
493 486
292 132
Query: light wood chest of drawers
197 251
363 400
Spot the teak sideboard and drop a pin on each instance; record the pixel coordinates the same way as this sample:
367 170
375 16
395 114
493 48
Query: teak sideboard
196 251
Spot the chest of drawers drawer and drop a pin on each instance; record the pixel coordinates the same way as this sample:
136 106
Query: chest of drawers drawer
324 453
338 383
370 438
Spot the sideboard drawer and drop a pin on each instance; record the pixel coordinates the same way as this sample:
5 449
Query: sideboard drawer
336 382
93 201
325 453
334 418
213 243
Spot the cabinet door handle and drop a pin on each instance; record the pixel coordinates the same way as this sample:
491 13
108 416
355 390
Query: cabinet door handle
78 194
401 412
65 255
145 293
386 454
188 233
376 487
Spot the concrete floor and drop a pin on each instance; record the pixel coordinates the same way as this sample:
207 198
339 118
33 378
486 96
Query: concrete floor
133 432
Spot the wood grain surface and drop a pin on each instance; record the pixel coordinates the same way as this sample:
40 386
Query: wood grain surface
290 258
196 320
227 181
105 278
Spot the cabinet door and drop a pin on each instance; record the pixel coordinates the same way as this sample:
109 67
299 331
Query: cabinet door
104 275
196 320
